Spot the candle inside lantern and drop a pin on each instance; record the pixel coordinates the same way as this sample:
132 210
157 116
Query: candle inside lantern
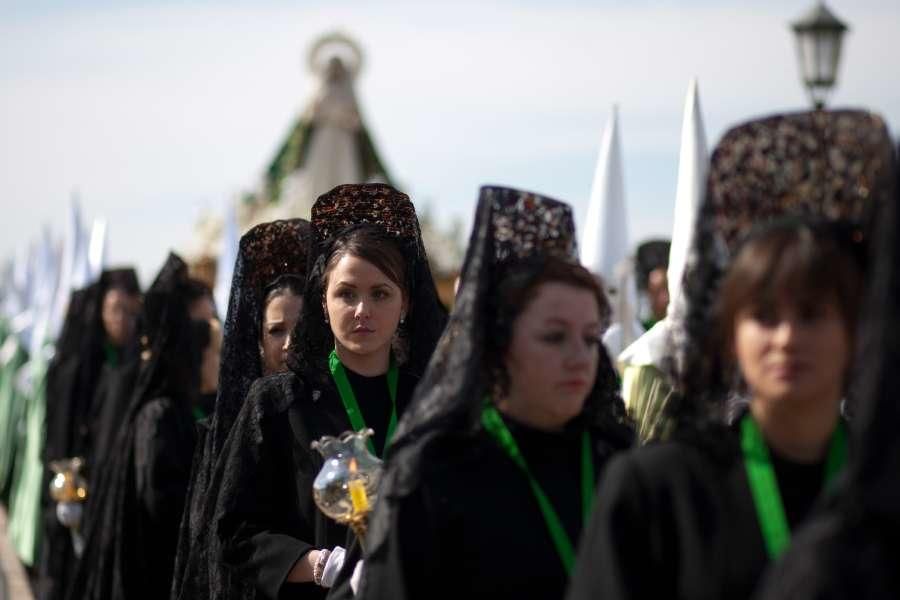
358 496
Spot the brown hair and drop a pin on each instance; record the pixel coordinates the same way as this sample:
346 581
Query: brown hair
802 261
288 283
517 288
373 245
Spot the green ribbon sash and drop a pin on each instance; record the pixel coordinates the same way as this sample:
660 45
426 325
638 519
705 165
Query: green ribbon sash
345 390
764 485
494 425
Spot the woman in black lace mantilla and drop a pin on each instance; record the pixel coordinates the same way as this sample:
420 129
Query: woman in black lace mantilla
270 268
849 547
520 366
134 507
89 383
370 306
773 289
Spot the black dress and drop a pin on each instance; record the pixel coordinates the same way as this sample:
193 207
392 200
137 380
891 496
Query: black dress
267 253
84 389
109 409
83 422
473 529
134 503
266 519
674 521
164 442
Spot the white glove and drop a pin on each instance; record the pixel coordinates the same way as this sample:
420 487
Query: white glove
69 514
357 575
333 566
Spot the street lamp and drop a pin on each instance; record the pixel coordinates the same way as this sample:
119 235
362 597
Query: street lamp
819 35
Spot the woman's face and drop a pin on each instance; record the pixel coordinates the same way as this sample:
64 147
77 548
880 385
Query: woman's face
793 352
119 314
364 306
553 356
281 315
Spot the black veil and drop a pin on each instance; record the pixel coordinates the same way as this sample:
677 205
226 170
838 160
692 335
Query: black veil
510 226
113 563
265 253
831 166
849 547
72 381
335 213
76 365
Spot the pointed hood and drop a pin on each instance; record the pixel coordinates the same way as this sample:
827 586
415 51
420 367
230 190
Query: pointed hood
605 241
693 163
605 238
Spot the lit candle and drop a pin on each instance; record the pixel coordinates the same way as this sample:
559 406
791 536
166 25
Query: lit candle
358 496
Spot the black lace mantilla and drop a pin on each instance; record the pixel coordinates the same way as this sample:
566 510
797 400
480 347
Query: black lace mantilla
510 225
831 166
265 253
375 203
525 224
848 548
333 215
117 551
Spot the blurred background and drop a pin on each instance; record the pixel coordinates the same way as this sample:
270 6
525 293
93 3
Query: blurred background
163 117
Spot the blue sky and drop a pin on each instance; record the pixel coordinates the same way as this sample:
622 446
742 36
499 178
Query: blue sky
158 111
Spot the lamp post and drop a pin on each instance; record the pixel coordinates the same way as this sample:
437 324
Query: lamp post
819 34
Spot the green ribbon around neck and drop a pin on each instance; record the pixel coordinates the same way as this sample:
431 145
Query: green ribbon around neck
496 428
345 390
764 485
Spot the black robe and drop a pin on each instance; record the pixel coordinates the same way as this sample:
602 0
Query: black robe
163 449
837 556
266 519
109 410
472 527
86 411
672 521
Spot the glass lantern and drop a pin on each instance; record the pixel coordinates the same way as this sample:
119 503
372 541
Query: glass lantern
347 485
69 489
68 485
